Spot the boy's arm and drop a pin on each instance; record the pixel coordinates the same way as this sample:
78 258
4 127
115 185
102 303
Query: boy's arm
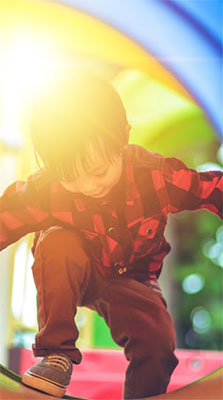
23 209
188 189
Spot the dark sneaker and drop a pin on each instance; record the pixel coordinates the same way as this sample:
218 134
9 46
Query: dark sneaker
51 375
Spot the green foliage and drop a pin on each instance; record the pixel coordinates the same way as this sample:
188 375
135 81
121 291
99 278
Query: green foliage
199 317
101 335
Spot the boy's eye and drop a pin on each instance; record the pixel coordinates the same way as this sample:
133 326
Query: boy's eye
101 174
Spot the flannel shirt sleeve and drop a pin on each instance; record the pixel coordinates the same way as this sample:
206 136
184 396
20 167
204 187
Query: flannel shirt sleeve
188 189
21 212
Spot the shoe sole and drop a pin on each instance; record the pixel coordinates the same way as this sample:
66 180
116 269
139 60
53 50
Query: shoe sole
43 384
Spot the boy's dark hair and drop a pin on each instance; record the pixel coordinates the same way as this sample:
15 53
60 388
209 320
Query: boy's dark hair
73 114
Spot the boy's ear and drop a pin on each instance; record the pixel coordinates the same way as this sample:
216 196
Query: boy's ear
128 127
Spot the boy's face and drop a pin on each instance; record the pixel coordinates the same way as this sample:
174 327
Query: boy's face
98 181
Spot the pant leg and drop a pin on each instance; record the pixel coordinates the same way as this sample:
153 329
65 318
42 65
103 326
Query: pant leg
136 315
139 322
61 273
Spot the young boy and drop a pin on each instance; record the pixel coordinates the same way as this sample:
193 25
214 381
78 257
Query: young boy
100 207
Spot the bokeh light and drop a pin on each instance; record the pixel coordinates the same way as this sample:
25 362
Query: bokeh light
219 234
201 319
209 166
213 248
220 154
193 283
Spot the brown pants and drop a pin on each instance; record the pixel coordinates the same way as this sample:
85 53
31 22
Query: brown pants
136 314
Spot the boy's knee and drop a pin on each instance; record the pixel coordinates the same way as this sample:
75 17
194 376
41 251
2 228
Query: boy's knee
57 234
59 242
155 338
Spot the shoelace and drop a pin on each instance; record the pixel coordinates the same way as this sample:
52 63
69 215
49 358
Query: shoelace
58 361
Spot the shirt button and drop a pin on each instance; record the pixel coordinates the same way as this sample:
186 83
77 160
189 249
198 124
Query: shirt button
111 229
105 202
122 270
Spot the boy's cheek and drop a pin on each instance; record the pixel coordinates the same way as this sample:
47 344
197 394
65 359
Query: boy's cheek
70 186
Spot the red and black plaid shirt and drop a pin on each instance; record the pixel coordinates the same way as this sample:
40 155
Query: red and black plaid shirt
125 232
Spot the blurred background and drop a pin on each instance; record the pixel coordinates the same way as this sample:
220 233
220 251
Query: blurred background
165 60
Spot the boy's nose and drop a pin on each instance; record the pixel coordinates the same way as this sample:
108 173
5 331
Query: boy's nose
90 187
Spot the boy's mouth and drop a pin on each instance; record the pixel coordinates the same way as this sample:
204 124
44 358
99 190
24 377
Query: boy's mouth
97 195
